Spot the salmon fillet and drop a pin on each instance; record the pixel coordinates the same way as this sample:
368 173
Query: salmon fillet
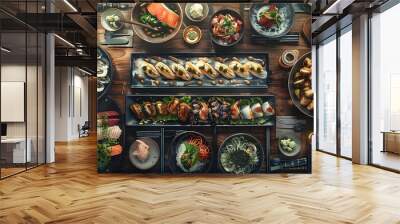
164 14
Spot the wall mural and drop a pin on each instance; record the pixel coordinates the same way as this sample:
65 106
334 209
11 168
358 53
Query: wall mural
204 88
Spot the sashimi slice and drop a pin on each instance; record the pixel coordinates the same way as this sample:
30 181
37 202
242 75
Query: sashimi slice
164 14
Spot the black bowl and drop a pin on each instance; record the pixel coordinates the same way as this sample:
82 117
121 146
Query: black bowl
179 138
295 100
218 41
110 73
260 152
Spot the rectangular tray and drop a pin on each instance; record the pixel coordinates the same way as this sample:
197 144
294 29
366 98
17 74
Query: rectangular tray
132 122
238 82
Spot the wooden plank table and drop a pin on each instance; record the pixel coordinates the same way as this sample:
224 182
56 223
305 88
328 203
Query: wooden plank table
278 78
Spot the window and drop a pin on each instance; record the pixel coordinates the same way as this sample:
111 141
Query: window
385 88
327 96
346 95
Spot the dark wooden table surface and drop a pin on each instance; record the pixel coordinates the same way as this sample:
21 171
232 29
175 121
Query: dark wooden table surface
279 78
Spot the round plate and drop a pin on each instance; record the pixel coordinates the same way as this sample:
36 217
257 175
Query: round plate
157 40
174 150
248 137
288 19
154 156
106 58
224 12
109 12
295 100
295 152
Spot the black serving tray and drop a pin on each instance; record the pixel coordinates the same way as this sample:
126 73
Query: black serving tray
254 83
131 121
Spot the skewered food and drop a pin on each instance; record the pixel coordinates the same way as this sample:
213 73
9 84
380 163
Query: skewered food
162 108
137 111
204 110
173 106
200 110
184 112
225 110
215 107
149 109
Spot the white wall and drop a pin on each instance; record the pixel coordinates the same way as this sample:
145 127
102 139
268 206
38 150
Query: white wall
33 127
71 103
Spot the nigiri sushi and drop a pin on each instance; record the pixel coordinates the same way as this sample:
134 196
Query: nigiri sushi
257 110
268 109
246 113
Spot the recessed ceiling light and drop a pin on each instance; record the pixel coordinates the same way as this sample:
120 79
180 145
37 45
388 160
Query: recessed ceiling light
70 5
5 50
65 41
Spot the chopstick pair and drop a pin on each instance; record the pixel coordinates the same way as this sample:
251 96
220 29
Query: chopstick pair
288 38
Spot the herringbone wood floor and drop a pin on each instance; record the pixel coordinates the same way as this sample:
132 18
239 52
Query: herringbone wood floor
70 191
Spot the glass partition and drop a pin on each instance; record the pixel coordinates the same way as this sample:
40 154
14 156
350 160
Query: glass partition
385 89
22 90
346 94
327 128
14 153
